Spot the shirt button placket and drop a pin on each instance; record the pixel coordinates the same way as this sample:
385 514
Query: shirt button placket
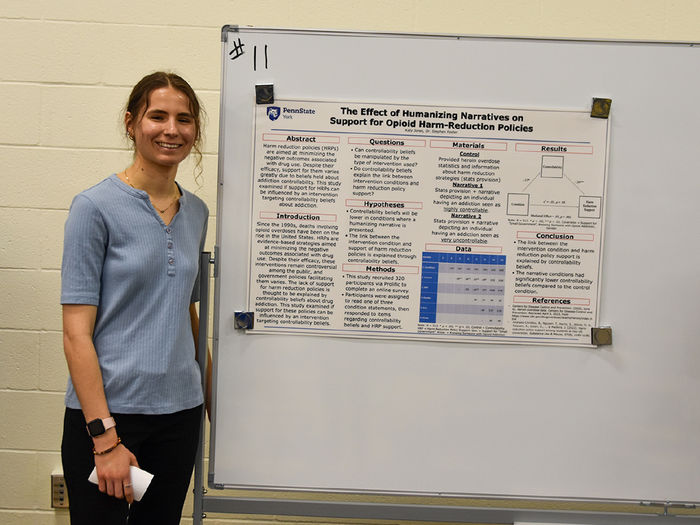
171 252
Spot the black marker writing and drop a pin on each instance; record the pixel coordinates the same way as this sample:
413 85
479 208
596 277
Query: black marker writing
237 50
255 57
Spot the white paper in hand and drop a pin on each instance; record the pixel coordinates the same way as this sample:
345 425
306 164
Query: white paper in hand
140 480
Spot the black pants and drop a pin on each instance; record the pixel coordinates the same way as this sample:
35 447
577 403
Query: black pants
164 445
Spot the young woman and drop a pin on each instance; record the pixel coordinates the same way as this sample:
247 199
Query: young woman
129 284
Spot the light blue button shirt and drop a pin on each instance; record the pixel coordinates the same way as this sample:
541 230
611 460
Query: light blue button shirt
142 275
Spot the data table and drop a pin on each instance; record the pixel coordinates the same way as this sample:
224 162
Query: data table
462 288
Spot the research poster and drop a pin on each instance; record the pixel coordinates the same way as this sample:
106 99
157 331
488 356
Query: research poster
427 222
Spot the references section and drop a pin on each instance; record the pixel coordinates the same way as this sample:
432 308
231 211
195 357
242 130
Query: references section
381 220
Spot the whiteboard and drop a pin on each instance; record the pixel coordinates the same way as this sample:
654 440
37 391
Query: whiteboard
415 417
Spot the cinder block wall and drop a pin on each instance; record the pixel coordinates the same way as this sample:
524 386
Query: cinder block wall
65 73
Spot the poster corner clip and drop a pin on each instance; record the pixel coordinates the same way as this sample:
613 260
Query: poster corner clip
264 94
243 320
600 108
601 336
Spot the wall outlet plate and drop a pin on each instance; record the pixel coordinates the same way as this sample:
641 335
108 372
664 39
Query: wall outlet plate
59 495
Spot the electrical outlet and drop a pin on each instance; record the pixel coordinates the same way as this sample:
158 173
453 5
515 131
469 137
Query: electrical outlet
59 495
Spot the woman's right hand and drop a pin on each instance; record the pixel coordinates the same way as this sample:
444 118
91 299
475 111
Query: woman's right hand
113 474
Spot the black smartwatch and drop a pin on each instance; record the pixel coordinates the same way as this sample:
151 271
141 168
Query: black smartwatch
97 427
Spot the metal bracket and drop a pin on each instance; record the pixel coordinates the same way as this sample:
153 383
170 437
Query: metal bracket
215 261
601 336
225 31
668 505
243 320
601 107
264 94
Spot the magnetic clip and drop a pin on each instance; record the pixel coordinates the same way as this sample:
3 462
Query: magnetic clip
243 320
601 336
264 94
601 107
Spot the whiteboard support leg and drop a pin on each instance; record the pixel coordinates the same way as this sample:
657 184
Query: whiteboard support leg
199 491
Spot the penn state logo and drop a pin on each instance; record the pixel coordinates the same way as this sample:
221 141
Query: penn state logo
273 112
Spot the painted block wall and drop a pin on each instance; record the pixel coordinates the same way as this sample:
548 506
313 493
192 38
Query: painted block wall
66 69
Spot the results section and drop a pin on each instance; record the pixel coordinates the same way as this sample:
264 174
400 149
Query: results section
381 220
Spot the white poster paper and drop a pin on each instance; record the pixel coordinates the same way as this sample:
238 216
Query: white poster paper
459 224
